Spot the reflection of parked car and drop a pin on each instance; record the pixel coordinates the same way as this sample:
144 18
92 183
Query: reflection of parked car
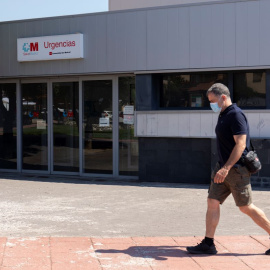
107 114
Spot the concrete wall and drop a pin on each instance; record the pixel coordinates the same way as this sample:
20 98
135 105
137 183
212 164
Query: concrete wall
131 4
219 36
195 124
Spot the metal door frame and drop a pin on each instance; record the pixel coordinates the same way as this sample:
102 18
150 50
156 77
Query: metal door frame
80 78
115 137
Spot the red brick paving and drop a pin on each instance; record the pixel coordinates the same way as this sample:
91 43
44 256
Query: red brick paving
132 253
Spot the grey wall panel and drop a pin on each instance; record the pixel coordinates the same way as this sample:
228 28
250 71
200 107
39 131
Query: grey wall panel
195 37
157 39
101 40
120 56
241 34
173 38
13 67
141 40
88 26
217 36
184 36
253 28
206 35
229 35
112 41
199 36
264 30
131 41
3 71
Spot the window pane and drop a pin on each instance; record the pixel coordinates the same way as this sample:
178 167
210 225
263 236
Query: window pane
66 126
98 127
128 144
8 131
249 89
35 130
188 90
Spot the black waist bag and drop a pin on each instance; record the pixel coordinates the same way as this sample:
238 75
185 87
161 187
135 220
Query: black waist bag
251 161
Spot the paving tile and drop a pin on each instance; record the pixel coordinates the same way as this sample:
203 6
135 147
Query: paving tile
73 257
119 254
24 251
62 247
241 245
24 262
103 241
263 239
3 241
75 266
176 263
28 267
70 239
132 253
154 241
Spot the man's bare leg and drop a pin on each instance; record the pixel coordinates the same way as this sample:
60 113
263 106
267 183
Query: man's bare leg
257 215
212 217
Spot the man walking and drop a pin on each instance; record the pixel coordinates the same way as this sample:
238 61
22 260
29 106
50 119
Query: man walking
229 176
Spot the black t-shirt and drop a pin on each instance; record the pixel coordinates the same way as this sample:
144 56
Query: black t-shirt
231 121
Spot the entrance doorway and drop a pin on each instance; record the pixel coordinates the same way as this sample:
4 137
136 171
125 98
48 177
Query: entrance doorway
80 125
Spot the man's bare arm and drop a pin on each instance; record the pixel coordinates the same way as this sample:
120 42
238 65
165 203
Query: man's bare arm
240 145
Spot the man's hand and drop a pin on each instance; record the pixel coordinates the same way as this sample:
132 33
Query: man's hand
221 175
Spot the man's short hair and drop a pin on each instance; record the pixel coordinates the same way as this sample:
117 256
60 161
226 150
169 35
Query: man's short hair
218 89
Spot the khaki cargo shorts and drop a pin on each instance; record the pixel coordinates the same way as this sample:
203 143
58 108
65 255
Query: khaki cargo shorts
237 182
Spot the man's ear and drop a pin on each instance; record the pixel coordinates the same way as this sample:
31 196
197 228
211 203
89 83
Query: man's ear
224 97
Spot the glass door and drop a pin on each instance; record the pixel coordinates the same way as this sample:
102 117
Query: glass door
34 127
128 143
8 126
97 127
65 126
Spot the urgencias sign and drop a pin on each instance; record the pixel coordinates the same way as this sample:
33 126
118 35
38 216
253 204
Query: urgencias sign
50 48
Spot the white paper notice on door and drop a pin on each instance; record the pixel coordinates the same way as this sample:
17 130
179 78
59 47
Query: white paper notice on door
104 122
41 124
128 110
128 119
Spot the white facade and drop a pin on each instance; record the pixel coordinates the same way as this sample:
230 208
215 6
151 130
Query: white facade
132 4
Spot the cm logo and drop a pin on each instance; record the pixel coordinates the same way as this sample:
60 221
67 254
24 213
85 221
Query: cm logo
33 47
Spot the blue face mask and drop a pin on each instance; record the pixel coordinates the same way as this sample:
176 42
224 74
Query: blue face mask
215 107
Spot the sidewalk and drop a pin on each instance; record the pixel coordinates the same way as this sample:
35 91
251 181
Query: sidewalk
132 253
66 223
